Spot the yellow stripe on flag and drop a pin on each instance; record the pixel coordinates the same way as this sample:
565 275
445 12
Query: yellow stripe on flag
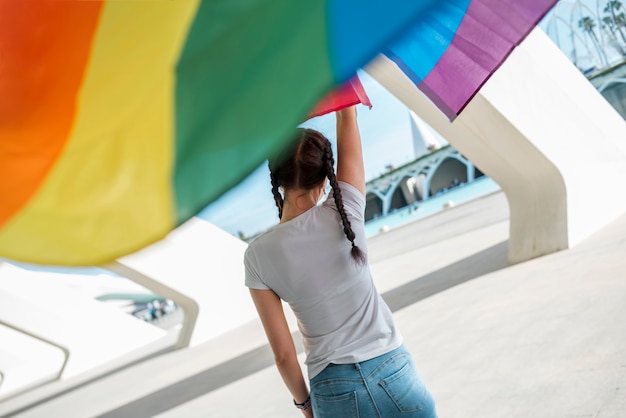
110 191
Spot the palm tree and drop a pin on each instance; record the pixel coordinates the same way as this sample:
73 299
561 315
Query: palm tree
620 21
617 21
587 24
609 23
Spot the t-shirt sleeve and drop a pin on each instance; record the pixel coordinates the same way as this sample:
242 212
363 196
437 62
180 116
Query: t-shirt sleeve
252 277
353 200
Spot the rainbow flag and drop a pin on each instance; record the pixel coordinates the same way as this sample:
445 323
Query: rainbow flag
119 120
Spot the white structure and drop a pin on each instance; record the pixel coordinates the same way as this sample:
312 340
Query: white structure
56 333
545 135
424 139
588 32
200 267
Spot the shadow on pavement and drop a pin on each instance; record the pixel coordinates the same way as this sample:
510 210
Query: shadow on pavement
487 261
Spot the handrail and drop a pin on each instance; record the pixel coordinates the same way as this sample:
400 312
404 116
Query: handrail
65 351
189 306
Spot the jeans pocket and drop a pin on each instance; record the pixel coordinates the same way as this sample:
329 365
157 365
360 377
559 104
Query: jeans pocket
406 389
335 406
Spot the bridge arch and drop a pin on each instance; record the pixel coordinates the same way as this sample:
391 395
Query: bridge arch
611 83
397 199
614 91
407 191
410 183
449 172
374 205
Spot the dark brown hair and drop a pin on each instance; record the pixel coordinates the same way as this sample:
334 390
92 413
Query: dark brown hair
305 164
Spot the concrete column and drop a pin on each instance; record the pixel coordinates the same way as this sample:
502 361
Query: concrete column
545 135
387 203
470 171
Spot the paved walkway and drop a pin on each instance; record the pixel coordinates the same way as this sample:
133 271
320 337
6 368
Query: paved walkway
544 338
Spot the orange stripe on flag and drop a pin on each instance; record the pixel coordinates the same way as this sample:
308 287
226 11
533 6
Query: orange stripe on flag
44 48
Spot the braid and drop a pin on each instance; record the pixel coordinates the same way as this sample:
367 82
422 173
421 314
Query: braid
278 198
357 254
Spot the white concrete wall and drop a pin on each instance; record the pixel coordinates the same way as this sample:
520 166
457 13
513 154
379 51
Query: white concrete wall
545 135
199 266
92 334
26 362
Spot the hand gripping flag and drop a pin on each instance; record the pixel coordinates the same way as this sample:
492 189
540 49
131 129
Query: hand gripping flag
348 94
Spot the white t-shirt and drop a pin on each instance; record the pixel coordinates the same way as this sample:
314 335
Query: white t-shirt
306 261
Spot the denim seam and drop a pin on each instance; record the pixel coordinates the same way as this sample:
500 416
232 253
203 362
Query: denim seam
385 385
330 382
367 388
386 362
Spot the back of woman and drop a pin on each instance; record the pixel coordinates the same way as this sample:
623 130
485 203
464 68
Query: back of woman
306 263
315 259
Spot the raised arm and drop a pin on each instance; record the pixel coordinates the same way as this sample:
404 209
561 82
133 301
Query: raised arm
350 167
272 316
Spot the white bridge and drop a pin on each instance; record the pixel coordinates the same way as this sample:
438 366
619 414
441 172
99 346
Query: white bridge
411 183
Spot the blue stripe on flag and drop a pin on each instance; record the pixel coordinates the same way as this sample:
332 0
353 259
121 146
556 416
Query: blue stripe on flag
420 48
358 30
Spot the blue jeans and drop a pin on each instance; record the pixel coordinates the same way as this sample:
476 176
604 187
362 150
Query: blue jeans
385 386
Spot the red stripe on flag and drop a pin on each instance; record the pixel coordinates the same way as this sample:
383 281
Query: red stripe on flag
348 94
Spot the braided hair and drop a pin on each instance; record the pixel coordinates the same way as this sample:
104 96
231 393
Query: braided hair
305 164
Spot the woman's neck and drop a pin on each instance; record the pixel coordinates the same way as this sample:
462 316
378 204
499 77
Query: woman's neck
298 201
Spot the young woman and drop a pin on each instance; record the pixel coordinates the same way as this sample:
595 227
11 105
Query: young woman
315 260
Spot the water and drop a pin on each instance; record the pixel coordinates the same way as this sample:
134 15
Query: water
460 194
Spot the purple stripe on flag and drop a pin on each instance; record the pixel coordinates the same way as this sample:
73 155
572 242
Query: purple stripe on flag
489 32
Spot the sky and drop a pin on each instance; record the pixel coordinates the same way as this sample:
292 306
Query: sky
387 140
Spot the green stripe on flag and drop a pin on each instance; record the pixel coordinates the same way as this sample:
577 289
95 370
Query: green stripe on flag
234 105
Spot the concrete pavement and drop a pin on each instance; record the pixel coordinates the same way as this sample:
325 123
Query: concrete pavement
544 338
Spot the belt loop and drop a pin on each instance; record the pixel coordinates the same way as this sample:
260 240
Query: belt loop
357 366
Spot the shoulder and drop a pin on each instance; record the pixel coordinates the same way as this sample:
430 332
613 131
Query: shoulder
255 245
350 191
253 268
263 245
353 200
